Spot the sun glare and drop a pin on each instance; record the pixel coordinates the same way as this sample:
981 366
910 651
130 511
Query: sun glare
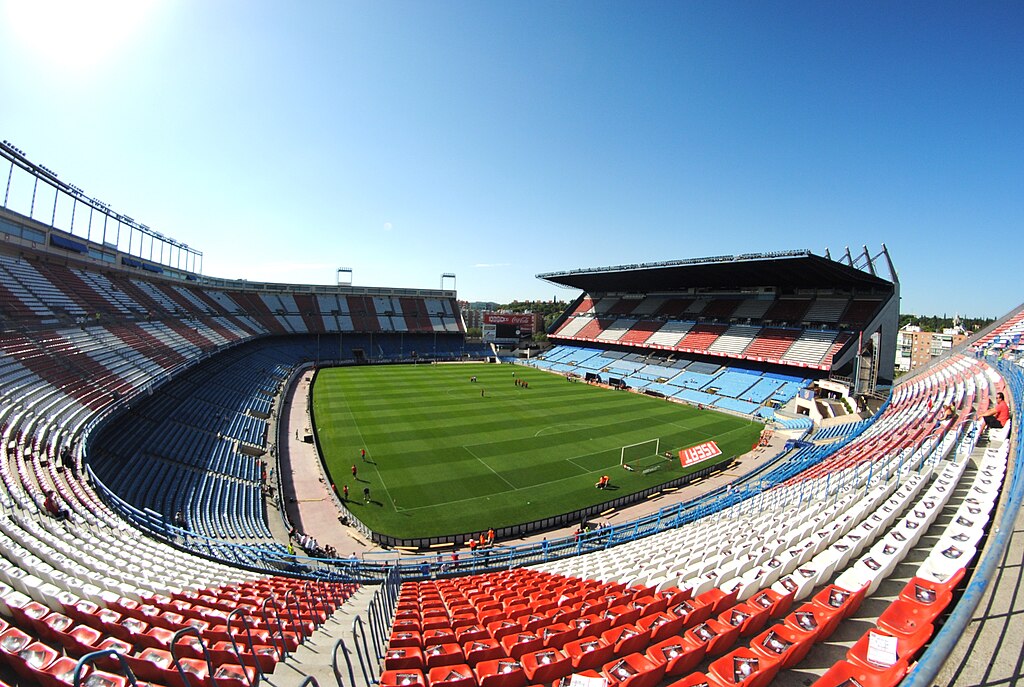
73 35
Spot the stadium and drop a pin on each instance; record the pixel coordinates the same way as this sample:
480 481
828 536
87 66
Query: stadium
774 507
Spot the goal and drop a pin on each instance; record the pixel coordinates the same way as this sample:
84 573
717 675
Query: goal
639 450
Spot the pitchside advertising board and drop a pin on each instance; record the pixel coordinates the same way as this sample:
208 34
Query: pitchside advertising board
506 327
699 453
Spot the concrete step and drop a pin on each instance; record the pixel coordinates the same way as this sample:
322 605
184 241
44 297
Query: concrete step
315 655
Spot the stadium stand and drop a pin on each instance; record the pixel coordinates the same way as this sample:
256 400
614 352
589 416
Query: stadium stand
872 529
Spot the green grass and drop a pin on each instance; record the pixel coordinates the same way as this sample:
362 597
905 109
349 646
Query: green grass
441 459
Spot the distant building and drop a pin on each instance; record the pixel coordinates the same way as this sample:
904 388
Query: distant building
915 348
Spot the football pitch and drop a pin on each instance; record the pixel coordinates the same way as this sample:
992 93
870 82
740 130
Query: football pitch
446 455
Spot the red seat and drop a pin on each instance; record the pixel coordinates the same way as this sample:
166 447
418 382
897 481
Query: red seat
403 678
692 680
30 615
716 636
627 639
591 624
904 617
546 666
459 675
501 672
410 624
404 639
693 611
843 673
403 658
500 628
532 622
32 659
661 625
719 599
232 675
679 654
784 643
443 655
928 591
60 673
743 667
750 619
633 670
837 598
907 646
778 604
557 634
56 624
520 643
445 636
482 650
155 665
589 652
810 618
435 623
621 614
83 640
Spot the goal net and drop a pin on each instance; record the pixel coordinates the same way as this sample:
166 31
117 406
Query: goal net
633 453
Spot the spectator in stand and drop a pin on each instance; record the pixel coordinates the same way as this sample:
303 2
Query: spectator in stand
998 415
54 508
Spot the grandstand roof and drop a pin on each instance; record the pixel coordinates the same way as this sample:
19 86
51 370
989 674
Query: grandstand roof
784 270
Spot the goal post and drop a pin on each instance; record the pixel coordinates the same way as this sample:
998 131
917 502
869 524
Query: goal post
639 450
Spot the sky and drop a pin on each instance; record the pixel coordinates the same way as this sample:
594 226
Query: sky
497 141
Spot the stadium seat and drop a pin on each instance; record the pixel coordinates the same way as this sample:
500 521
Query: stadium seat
403 678
502 672
519 643
679 654
717 637
482 650
459 675
633 670
844 674
750 619
841 603
743 667
812 619
546 665
661 625
404 658
443 655
697 679
405 639
626 639
907 645
784 643
588 652
904 617
556 635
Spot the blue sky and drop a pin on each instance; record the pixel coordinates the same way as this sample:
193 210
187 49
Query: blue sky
501 140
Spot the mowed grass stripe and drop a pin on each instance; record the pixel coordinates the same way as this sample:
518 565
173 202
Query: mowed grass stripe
446 460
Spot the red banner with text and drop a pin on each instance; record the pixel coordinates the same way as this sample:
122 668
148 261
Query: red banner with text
699 453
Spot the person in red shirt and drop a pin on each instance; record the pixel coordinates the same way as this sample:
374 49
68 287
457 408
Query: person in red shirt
54 508
998 415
